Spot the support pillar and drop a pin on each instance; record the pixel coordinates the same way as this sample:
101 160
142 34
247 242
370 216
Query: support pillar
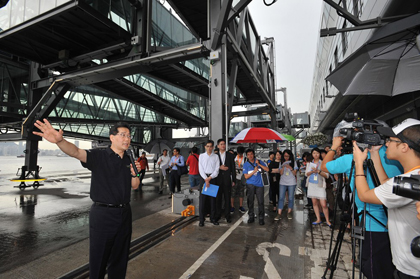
219 124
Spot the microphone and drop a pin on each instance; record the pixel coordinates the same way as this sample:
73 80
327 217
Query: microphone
133 162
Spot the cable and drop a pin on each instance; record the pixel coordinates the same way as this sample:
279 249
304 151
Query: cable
265 3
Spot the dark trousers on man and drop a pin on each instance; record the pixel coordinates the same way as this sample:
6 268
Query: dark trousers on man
253 190
223 199
376 256
175 181
142 174
109 236
204 201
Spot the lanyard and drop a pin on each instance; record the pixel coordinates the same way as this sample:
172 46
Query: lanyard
240 162
417 167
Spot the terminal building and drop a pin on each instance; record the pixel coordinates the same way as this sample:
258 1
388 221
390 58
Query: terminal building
345 28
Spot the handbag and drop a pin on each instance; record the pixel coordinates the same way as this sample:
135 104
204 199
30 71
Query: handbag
182 170
264 176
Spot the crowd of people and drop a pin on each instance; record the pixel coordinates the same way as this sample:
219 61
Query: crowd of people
391 222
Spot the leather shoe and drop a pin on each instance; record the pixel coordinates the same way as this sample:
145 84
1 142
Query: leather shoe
160 192
228 221
251 220
262 222
215 223
201 224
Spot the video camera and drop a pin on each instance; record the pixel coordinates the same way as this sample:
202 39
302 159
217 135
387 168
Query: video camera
408 187
362 131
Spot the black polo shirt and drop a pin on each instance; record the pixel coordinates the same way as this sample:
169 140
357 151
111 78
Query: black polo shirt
111 176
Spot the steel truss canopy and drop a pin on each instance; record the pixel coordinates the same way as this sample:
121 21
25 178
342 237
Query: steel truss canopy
86 54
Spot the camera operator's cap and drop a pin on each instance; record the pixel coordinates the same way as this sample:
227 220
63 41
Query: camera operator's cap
397 130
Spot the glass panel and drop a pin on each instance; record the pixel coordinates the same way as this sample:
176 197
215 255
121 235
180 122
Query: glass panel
18 11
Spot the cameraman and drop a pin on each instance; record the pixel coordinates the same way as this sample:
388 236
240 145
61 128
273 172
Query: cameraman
376 252
403 145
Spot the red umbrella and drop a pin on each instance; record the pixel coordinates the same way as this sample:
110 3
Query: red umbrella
258 135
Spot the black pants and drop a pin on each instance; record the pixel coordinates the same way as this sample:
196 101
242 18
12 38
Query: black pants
142 174
253 190
376 256
399 275
109 236
223 199
175 181
274 187
204 201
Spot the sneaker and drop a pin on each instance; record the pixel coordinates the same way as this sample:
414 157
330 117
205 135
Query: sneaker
232 209
242 209
278 217
289 215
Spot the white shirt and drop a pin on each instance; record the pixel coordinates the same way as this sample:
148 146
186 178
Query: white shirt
403 226
208 165
223 157
164 161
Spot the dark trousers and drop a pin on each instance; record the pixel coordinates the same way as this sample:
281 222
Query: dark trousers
223 199
376 256
175 181
204 201
142 174
274 187
109 236
253 190
399 275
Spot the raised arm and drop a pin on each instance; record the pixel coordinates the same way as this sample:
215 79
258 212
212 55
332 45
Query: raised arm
336 144
52 135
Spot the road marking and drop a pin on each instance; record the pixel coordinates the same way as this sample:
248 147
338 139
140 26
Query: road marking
209 251
269 268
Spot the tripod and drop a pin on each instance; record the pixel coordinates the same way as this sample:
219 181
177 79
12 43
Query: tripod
345 219
358 232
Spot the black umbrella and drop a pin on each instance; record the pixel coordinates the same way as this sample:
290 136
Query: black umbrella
387 64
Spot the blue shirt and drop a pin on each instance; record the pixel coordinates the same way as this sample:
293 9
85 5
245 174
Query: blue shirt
178 161
391 167
255 179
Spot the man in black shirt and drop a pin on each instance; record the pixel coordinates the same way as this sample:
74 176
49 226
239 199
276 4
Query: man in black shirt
112 179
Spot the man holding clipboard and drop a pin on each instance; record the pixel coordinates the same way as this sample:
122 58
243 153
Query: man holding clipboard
208 167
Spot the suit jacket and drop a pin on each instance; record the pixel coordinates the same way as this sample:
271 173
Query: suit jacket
225 177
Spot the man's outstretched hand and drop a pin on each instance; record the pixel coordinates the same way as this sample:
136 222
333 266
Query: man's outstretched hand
48 132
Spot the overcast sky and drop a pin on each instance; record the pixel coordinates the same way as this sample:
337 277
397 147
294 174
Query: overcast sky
294 24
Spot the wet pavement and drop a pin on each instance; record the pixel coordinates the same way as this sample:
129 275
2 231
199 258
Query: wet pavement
44 235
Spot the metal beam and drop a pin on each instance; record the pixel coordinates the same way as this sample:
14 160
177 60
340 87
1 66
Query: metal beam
344 13
221 25
238 9
261 88
126 66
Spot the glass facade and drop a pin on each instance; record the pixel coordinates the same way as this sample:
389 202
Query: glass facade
18 11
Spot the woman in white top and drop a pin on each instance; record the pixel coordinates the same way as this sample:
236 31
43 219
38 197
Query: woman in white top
288 169
316 186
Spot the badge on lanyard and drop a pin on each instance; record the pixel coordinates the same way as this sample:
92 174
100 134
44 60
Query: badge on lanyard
315 177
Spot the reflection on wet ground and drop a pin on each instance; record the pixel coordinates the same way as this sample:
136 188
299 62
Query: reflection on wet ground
35 222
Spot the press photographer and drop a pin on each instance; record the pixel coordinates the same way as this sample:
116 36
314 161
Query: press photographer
403 145
376 251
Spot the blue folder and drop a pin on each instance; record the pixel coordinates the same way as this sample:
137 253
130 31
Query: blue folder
211 190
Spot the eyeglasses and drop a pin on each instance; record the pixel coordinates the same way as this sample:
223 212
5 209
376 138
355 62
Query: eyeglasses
391 140
124 135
